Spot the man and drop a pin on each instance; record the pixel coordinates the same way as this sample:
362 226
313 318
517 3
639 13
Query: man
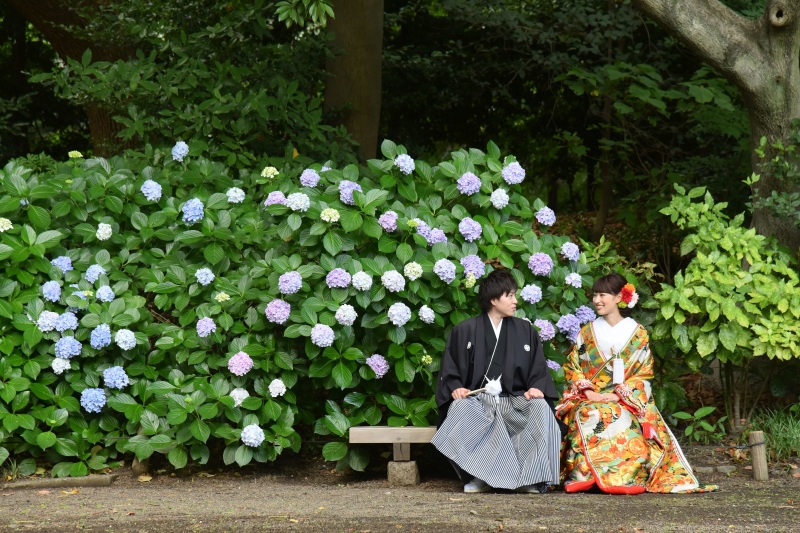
510 440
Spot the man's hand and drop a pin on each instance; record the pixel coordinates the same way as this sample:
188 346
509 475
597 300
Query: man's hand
532 393
460 394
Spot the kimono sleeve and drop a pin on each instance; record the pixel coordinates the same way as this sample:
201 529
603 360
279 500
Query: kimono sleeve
454 369
634 392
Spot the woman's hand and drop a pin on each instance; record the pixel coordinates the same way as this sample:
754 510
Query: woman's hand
460 393
532 393
593 396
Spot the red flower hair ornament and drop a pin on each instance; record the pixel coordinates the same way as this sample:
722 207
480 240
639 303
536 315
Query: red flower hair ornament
629 296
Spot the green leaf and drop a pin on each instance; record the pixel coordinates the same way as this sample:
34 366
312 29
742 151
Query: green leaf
178 457
333 451
39 217
214 253
244 454
351 220
706 343
45 439
341 375
404 252
200 430
332 243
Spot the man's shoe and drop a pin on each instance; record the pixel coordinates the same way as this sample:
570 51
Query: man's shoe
536 488
476 485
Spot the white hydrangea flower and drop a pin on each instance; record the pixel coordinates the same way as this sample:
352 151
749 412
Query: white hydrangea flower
413 270
5 225
125 339
393 281
362 281
253 436
426 314
239 395
499 198
329 215
235 195
269 172
298 201
59 365
346 315
222 297
277 388
103 232
399 314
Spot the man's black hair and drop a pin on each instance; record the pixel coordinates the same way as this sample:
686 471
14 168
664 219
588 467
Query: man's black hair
498 283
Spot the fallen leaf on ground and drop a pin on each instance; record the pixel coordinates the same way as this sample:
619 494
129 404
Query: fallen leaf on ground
73 491
42 492
796 474
205 474
39 471
131 513
7 494
320 508
145 478
294 520
456 499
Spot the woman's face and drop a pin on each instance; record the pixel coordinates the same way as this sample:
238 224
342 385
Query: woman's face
506 304
605 302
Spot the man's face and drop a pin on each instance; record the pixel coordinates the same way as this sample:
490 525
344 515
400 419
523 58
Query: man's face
505 305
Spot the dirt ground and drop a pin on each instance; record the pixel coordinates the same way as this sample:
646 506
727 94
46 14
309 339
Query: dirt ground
303 493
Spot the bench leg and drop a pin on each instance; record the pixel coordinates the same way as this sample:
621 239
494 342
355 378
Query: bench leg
402 451
402 473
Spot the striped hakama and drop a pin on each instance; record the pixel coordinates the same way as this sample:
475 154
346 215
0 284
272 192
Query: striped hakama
506 441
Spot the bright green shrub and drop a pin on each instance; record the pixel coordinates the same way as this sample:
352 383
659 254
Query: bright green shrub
179 401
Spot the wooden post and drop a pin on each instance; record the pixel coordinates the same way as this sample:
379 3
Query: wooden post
758 452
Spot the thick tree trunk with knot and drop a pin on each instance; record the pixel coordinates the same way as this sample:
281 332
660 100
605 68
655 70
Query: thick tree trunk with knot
760 57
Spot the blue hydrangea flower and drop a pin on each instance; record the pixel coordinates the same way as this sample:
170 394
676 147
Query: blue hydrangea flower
436 235
125 339
473 265
63 262
179 151
469 183
540 264
499 198
445 269
204 276
569 325
105 294
205 327
51 291
252 436
338 278
193 211
546 216
346 188
47 321
115 377
399 314
546 329
470 229
309 178
513 173
68 347
585 314
66 321
100 337
93 400
574 280
388 221
94 272
531 294
404 163
552 365
151 190
290 282
322 335
570 251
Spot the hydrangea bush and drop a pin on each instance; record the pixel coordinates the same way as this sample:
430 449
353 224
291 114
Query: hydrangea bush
237 308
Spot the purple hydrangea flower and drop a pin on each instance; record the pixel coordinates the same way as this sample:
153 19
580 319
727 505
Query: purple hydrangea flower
338 278
399 314
574 280
585 314
51 291
570 251
47 321
422 228
445 269
404 163
240 364
105 294
546 216
309 178
151 190
473 265
66 321
93 400
531 294
275 197
277 311
436 235
378 364
179 151
204 276
115 377
94 272
63 262
470 229
513 173
388 221
569 325
193 211
100 337
68 347
205 327
290 283
322 335
346 188
469 183
546 330
552 365
499 198
540 264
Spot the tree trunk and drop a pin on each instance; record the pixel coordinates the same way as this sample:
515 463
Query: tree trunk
759 57
53 18
353 88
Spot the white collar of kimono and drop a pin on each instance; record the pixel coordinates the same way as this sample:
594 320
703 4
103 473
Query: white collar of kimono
616 337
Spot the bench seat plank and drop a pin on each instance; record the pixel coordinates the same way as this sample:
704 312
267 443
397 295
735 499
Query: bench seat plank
390 435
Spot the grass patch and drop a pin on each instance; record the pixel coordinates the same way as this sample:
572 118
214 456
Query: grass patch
781 429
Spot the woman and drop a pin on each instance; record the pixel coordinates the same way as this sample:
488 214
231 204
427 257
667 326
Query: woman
506 436
617 439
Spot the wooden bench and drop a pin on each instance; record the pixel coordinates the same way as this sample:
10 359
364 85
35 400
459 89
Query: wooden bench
401 470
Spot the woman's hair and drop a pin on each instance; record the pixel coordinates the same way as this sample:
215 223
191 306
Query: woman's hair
611 284
495 285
